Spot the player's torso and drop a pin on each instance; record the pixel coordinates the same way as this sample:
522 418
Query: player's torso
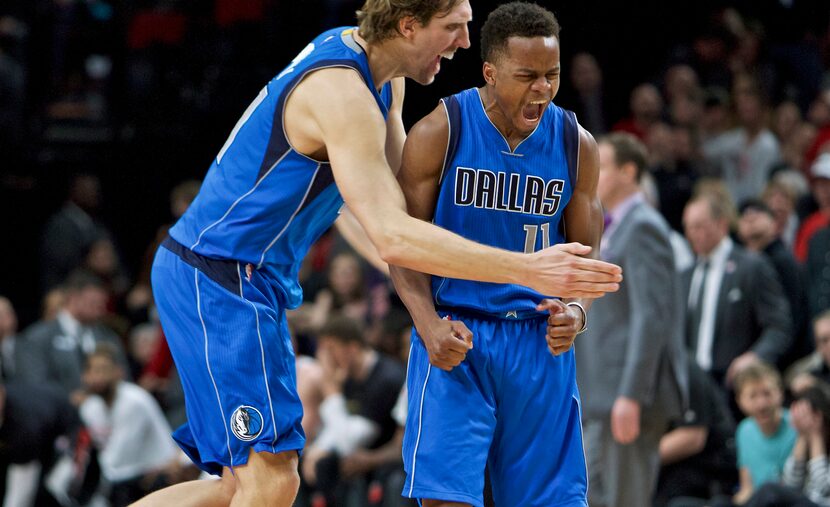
262 202
507 199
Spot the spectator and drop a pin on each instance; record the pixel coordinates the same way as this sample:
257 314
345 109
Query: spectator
814 368
127 427
346 293
586 79
143 342
765 437
697 454
360 388
818 272
781 196
8 339
32 420
54 352
737 311
821 218
716 119
70 232
744 156
756 229
675 166
646 108
806 478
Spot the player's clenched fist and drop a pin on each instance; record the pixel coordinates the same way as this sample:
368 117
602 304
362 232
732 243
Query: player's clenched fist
447 343
563 271
564 322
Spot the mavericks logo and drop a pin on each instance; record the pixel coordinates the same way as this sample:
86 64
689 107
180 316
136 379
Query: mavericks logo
246 423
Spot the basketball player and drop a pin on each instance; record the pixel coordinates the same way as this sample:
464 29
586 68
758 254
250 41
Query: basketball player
504 166
325 130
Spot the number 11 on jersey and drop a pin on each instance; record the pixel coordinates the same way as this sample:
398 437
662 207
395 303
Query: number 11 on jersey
530 236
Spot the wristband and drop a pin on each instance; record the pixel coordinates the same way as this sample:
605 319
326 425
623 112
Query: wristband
584 316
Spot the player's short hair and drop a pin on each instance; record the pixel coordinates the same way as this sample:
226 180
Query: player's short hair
378 19
515 19
343 329
627 149
755 373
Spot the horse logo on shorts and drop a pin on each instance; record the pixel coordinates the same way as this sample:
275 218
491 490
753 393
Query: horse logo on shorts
246 423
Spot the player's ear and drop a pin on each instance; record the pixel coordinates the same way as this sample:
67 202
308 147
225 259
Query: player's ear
407 26
489 72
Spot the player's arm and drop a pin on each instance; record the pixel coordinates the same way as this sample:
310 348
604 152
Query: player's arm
347 224
583 224
419 176
341 112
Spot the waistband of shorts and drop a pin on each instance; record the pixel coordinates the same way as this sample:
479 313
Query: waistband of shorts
225 272
480 314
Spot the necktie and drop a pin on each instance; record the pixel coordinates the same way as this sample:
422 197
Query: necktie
696 311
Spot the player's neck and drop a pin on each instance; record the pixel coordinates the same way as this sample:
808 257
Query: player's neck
511 134
383 57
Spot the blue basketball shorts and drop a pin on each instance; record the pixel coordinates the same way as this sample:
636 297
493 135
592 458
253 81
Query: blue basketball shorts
511 406
230 342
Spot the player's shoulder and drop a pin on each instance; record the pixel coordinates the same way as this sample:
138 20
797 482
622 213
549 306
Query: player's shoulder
432 128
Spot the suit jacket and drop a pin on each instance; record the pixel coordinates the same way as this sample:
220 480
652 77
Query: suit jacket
633 345
818 272
47 354
752 311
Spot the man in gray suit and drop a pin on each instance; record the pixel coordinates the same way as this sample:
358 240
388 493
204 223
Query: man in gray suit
737 310
54 352
630 358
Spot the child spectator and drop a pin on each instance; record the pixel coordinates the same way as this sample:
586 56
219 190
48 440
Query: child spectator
765 437
806 482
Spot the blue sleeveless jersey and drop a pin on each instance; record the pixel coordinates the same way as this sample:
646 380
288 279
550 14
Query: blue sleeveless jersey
262 202
507 199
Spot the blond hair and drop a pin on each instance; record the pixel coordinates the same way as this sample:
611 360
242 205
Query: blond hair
378 19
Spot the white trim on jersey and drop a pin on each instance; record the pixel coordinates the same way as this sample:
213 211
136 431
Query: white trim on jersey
246 194
207 362
265 376
293 215
420 426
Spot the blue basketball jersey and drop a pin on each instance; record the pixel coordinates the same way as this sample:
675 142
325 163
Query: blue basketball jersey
511 199
262 202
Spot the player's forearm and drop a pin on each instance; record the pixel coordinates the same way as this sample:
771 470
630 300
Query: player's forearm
423 247
415 292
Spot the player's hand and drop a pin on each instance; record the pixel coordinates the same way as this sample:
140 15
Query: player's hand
563 324
447 343
563 271
625 420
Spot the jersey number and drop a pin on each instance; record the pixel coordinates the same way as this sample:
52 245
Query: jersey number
530 236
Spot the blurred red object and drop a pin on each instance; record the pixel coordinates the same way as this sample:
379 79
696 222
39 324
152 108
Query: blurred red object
156 27
230 12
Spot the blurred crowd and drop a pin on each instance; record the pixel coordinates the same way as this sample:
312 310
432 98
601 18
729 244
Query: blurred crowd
737 128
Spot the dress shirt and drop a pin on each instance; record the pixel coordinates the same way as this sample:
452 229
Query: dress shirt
717 260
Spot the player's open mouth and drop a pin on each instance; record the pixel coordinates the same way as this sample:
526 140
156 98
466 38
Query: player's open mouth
533 111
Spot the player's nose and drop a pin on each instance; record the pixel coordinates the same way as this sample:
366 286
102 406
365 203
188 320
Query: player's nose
463 40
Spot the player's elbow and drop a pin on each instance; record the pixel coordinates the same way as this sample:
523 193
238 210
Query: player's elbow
390 241
391 248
